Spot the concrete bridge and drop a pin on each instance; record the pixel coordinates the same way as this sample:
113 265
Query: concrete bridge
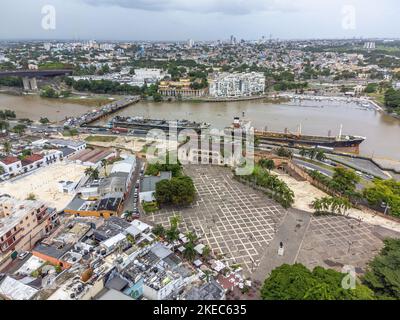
29 76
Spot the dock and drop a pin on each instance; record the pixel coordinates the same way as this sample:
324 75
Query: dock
95 115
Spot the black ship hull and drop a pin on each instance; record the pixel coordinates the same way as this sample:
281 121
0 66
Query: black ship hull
351 143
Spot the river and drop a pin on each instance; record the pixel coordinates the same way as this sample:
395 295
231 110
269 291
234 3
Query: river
382 131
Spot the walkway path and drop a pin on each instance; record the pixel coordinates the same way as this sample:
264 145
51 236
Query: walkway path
291 233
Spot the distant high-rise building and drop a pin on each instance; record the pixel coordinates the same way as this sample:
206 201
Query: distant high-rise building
190 43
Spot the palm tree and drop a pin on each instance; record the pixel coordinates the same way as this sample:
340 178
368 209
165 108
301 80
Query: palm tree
334 205
191 237
89 171
92 173
7 147
159 231
208 275
303 152
190 252
31 197
206 252
175 220
104 164
320 155
128 215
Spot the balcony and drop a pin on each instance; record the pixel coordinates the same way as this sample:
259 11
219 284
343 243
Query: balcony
4 246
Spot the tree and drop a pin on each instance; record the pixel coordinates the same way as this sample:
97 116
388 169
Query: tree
4 125
128 215
296 282
320 156
283 152
191 237
333 205
206 252
19 129
104 164
312 153
384 191
159 231
178 191
7 147
92 173
303 152
31 197
49 92
172 234
190 252
44 120
175 220
345 181
383 274
267 164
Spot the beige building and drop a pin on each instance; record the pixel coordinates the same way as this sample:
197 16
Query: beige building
179 88
22 224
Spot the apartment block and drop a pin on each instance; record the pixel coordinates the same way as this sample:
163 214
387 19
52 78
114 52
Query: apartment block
22 224
225 85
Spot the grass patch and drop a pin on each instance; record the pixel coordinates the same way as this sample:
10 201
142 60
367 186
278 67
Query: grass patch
100 139
378 97
150 207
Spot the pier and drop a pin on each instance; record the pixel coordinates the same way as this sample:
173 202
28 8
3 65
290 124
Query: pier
93 116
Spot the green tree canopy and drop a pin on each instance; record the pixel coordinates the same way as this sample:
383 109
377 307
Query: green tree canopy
383 275
177 191
384 191
296 282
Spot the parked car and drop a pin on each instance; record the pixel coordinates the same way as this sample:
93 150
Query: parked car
23 255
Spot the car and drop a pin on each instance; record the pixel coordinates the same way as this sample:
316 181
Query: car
23 255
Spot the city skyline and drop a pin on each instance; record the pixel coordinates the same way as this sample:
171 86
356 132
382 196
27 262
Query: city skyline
174 20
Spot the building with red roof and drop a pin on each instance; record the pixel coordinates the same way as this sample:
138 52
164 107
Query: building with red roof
12 166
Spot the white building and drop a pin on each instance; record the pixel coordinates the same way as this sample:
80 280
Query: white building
224 85
12 166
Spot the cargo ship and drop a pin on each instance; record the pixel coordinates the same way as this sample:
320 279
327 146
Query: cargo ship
298 139
140 123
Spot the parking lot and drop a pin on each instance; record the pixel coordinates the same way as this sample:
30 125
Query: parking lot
237 222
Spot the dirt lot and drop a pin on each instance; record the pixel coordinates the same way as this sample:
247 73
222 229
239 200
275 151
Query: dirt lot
43 183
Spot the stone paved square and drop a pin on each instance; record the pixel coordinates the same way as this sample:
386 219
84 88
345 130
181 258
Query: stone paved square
235 220
335 241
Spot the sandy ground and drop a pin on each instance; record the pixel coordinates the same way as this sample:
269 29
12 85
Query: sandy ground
305 194
44 184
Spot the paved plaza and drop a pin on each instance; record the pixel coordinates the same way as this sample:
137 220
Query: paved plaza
336 241
243 226
236 221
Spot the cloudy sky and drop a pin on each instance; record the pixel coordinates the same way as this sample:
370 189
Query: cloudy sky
198 19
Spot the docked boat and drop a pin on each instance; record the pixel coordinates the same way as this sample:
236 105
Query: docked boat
298 139
149 124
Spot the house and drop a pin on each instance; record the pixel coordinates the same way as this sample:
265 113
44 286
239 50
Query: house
148 186
209 291
56 250
14 289
32 162
12 166
106 207
75 145
154 273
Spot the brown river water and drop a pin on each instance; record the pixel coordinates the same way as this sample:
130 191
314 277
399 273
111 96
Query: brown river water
316 117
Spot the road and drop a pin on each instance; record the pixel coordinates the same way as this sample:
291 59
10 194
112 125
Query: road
312 166
130 200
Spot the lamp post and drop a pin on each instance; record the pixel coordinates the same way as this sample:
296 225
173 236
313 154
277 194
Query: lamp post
386 206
